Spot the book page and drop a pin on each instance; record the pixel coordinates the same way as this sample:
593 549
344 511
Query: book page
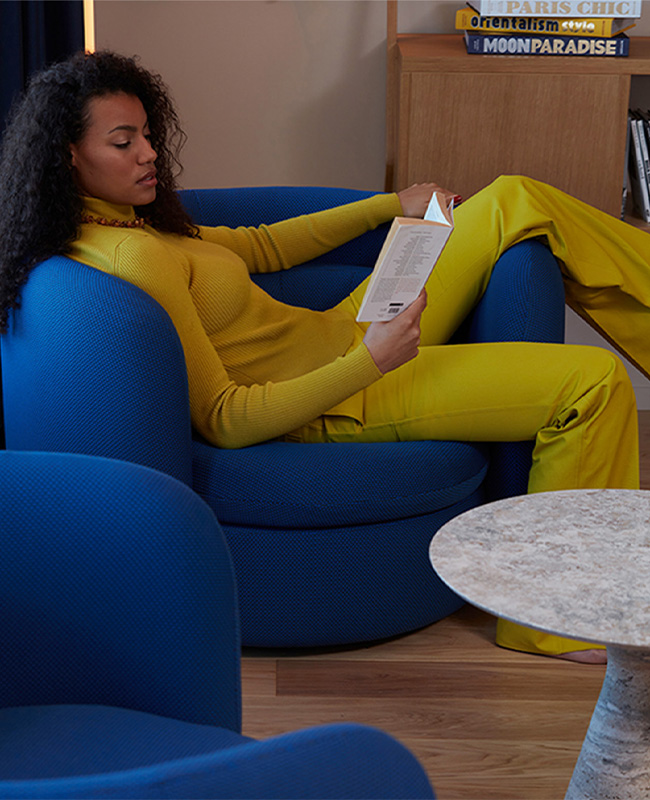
409 254
439 211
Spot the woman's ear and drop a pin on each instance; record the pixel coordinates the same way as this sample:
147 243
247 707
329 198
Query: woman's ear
73 154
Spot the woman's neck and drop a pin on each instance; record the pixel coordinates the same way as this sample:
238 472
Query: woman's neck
101 212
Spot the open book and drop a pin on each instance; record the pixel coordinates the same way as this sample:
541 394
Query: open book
406 260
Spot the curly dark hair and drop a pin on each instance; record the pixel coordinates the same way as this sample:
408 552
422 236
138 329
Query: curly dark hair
40 206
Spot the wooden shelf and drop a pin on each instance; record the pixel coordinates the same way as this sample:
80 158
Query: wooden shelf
447 52
462 120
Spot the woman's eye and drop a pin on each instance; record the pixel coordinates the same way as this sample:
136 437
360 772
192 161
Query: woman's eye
122 145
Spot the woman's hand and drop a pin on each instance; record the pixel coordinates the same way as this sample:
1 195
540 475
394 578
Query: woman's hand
416 198
393 343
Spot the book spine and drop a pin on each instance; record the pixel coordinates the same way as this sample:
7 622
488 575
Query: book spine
558 8
626 172
643 138
468 20
643 196
485 44
645 160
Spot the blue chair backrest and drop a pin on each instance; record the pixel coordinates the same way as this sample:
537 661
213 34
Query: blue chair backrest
92 364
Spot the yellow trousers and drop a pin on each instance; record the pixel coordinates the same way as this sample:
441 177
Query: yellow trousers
576 402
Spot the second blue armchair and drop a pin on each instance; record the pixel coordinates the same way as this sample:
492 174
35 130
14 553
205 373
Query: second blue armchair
120 655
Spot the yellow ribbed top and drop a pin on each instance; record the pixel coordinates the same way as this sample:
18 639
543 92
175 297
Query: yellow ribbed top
257 368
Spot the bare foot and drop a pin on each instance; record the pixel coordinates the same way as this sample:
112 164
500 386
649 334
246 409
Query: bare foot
596 656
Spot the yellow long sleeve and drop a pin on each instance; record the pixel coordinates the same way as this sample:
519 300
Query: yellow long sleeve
256 368
294 241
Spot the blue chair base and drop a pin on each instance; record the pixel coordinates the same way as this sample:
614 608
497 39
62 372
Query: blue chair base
362 574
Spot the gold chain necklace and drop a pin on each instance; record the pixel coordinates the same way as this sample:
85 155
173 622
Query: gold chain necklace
138 222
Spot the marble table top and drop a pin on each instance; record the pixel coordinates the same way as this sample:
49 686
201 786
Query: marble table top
575 563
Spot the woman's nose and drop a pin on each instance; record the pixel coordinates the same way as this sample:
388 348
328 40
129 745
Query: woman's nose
147 153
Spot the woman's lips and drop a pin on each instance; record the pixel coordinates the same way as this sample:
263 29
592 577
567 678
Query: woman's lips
148 180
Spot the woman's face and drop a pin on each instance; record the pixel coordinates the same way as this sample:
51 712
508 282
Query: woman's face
114 160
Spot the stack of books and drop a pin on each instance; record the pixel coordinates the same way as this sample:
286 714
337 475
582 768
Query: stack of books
548 27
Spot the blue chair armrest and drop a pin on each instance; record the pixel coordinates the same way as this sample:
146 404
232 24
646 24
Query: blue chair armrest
180 760
524 299
524 302
337 761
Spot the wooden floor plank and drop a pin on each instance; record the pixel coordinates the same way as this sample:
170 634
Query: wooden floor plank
526 681
442 719
258 677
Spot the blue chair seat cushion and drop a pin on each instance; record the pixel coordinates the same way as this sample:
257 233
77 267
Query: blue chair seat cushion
336 484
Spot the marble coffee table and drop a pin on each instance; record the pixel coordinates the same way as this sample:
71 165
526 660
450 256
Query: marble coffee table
574 563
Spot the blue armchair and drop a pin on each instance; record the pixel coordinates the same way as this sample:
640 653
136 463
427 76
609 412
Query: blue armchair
120 652
329 541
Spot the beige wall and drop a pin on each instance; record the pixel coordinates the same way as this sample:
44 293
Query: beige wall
269 92
273 91
284 91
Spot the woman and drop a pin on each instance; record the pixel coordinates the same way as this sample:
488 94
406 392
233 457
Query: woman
87 170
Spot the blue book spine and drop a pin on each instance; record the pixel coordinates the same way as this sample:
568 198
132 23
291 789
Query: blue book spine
516 45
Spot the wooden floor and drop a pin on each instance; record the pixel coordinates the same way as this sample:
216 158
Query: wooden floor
486 723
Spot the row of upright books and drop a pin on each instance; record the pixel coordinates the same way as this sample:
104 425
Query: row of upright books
637 178
548 27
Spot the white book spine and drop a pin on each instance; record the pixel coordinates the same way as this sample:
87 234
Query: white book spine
641 170
558 8
646 159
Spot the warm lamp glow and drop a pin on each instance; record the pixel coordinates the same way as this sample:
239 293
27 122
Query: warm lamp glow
89 26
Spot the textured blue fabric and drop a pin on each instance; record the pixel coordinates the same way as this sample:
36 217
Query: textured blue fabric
120 652
259 205
268 486
315 286
68 391
37 740
329 586
528 276
91 365
86 752
117 579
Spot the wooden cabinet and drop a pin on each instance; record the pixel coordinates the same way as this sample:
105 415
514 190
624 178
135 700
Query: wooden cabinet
462 120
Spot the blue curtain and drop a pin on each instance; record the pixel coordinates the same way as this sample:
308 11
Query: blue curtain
33 34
